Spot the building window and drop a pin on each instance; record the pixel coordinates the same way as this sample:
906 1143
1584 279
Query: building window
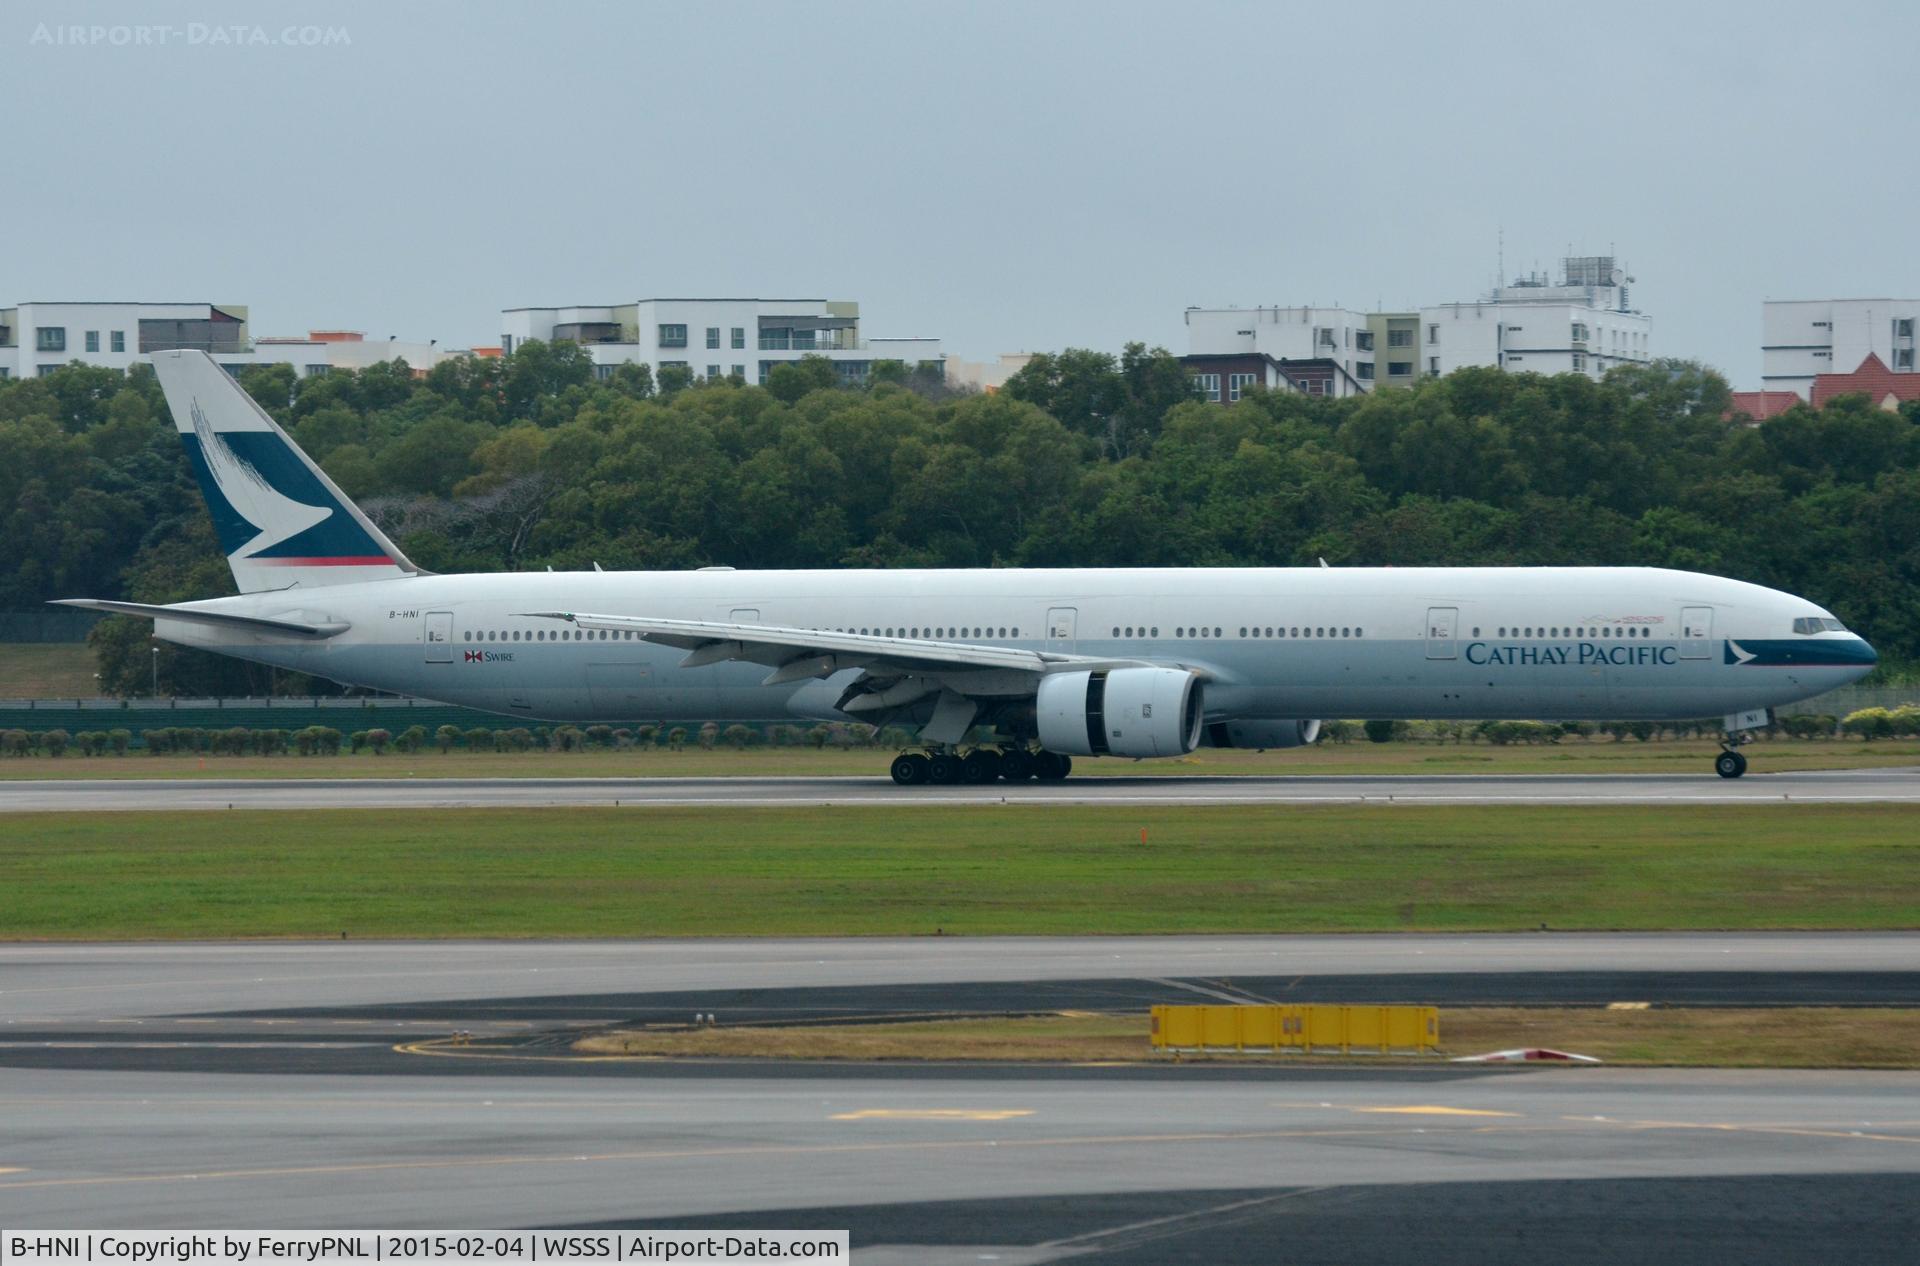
1208 385
1903 358
740 372
739 338
603 372
1363 371
93 340
673 336
1433 333
506 344
1433 366
1579 331
1236 382
713 336
1903 328
713 372
1399 369
765 367
118 340
51 338
1363 340
318 371
5 373
1399 338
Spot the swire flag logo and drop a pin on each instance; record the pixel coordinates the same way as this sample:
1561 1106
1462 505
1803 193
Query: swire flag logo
476 657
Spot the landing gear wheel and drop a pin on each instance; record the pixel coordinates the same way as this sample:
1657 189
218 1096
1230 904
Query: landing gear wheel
1730 764
909 770
1052 766
979 766
943 769
1016 764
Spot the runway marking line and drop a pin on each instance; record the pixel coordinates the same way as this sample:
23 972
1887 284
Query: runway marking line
1434 1110
932 1114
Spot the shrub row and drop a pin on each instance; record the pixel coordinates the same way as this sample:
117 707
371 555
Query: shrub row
321 740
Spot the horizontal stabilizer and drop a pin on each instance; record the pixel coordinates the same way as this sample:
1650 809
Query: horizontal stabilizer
215 619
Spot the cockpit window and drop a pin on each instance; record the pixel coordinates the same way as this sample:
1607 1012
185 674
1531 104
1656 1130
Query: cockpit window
1818 624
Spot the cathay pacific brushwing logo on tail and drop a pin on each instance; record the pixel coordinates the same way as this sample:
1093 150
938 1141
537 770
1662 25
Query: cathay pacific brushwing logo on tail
273 515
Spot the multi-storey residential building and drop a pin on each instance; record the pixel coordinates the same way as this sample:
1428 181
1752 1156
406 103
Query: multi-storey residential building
1582 325
1323 351
38 338
716 338
1396 347
1803 338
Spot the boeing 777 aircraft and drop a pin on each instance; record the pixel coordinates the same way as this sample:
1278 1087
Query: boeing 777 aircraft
1060 663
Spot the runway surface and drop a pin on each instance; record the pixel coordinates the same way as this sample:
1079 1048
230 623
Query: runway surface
297 1085
1858 786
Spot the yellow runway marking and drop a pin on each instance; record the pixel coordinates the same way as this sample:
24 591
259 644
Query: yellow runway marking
1432 1110
932 1114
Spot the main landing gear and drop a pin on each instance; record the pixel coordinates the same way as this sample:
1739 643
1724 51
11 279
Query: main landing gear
944 768
1729 763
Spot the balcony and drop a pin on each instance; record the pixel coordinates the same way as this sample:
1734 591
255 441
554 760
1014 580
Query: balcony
784 340
590 332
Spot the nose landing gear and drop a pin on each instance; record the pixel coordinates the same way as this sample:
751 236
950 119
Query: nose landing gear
1740 729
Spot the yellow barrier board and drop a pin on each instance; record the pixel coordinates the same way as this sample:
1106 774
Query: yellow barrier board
1316 1027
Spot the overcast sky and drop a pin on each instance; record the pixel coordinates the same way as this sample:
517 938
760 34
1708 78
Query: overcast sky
1004 176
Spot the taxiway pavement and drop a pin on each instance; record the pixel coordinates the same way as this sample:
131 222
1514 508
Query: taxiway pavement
1853 786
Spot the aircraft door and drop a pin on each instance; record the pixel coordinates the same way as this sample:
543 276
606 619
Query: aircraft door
1060 628
439 637
1696 632
1442 626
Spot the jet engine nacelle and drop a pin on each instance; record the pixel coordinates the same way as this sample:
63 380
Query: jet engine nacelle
1263 734
1120 712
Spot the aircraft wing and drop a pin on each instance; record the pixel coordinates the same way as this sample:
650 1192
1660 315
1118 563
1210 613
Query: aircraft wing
798 654
213 619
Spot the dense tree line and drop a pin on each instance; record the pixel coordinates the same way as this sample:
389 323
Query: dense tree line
1083 459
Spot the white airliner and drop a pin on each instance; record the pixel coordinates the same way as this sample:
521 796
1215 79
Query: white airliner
1130 662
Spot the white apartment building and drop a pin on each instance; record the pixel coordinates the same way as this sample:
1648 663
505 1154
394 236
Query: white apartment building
1800 338
715 338
38 338
1337 335
1581 326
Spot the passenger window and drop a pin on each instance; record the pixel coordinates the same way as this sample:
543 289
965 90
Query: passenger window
1358 633
1154 632
1243 630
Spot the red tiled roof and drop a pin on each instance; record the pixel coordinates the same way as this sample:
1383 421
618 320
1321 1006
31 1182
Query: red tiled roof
1761 405
1873 379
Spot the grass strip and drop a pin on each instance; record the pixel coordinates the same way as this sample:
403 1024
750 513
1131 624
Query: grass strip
971 870
1784 1037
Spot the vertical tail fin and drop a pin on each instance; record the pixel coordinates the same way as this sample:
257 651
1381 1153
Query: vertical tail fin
280 519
